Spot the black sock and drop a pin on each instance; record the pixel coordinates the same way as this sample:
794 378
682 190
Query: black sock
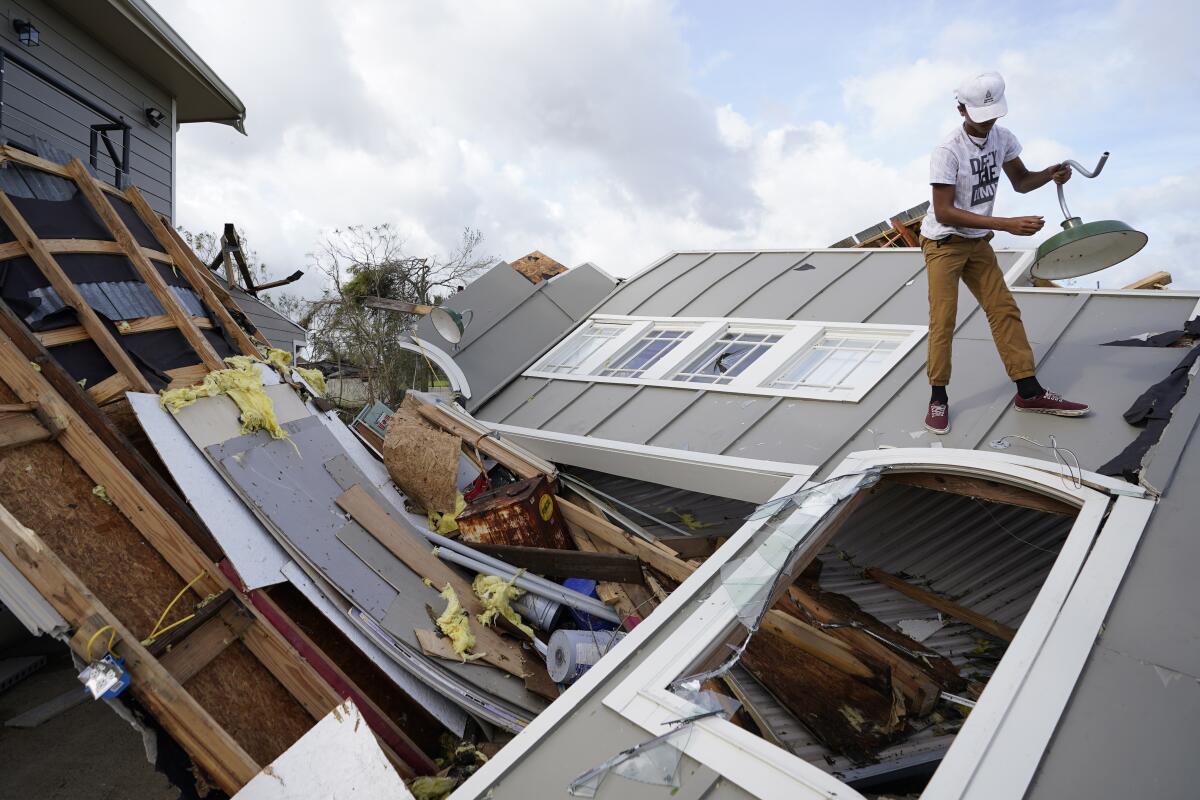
939 395
1029 387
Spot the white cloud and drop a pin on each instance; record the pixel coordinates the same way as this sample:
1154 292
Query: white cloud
577 129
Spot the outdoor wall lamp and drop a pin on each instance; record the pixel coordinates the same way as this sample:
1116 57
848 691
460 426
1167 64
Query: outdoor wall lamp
26 32
154 117
1084 247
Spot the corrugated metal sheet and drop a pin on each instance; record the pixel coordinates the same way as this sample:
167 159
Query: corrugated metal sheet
989 557
884 286
116 300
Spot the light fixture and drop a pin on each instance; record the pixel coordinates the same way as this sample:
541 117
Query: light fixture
154 117
450 324
1085 247
27 34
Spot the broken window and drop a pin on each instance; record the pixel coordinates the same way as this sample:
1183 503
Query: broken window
728 357
646 352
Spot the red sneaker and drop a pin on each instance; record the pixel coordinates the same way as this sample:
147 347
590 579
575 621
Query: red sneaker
1050 403
937 419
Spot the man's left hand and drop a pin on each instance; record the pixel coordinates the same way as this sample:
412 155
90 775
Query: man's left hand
1060 173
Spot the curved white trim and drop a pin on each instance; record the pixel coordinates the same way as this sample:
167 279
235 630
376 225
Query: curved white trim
458 380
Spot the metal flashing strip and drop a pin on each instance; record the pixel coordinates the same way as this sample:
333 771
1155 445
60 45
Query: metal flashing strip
745 479
20 596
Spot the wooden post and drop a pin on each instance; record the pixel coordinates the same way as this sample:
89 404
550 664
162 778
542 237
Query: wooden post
905 234
184 264
148 272
70 295
959 612
215 751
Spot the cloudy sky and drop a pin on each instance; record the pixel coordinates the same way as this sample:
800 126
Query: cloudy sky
617 131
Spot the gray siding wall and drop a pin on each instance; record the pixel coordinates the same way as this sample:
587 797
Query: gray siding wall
33 108
279 330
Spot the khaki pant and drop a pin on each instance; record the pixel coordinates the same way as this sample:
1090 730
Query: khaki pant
973 260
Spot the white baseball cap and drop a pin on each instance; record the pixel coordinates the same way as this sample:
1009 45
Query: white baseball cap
983 95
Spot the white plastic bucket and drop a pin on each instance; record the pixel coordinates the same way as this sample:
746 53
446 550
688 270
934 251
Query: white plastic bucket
569 654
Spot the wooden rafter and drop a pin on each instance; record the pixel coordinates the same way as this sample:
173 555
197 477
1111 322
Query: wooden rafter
215 751
148 272
70 295
18 156
71 246
77 333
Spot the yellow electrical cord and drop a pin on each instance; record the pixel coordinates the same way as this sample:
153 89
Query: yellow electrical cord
156 632
112 637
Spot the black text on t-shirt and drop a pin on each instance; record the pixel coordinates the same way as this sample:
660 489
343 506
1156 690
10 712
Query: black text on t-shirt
987 176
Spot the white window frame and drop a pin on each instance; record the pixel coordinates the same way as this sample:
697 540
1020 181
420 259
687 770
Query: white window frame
797 336
999 747
590 364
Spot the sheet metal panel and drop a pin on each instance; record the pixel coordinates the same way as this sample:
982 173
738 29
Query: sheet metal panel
729 416
682 289
640 289
579 289
784 295
1107 318
644 414
726 293
511 398
591 408
857 293
556 395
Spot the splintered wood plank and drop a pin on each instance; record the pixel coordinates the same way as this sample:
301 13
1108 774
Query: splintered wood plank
73 246
613 594
182 256
186 376
659 558
934 601
77 333
417 557
111 388
992 491
556 563
201 646
148 272
213 749
70 295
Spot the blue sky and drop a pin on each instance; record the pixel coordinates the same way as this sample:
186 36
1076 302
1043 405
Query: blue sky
617 131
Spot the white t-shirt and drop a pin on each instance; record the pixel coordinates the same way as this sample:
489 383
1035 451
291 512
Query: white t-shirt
974 171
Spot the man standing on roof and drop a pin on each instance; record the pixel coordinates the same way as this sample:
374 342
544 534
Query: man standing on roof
956 236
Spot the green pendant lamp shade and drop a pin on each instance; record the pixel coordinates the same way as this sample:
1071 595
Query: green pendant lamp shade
1085 247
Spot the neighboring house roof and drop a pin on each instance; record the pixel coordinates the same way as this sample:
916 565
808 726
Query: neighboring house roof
281 331
512 320
134 31
537 266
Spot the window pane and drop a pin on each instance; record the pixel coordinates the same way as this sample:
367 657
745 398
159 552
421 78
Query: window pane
726 358
646 352
583 346
837 363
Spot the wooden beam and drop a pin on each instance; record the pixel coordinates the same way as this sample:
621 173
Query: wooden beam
198 276
934 601
186 376
197 650
613 594
111 388
656 558
142 495
818 644
905 233
18 156
70 295
992 491
210 745
77 333
555 563
65 401
1155 280
235 249
76 246
148 272
416 556
18 427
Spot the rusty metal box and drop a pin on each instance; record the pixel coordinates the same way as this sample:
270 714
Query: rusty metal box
524 514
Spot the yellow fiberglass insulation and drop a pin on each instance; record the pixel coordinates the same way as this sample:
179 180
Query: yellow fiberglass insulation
279 359
447 523
243 384
312 377
496 594
455 623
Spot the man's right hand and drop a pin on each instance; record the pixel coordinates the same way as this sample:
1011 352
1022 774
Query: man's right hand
1023 226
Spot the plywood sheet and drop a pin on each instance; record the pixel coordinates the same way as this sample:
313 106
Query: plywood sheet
249 545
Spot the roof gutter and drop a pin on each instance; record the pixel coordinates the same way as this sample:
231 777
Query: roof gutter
145 18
